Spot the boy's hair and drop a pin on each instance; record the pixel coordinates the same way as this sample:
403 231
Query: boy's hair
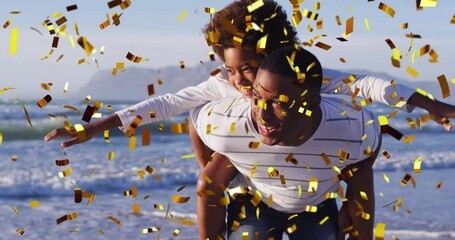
298 64
236 21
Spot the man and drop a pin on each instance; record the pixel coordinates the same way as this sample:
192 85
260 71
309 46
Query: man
290 146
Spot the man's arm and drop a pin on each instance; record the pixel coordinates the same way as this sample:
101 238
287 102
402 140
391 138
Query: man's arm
360 209
210 213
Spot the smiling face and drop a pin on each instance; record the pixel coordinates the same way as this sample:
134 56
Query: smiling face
242 66
275 109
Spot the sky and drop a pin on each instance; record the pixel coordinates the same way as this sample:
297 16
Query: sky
150 29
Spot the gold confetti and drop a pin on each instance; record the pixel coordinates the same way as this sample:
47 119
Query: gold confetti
180 199
14 37
7 23
326 159
136 208
444 86
14 158
63 162
111 156
439 185
182 15
364 195
65 173
176 232
34 204
324 220
80 132
384 7
15 210
20 231
151 229
313 185
323 46
406 178
70 217
85 44
310 15
417 164
338 20
379 231
428 3
309 208
254 6
367 24
452 21
409 139
296 18
158 206
132 192
291 229
115 220
133 58
349 26
132 144
412 72
254 145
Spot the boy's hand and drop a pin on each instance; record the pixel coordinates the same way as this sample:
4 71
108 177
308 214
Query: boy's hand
440 111
75 139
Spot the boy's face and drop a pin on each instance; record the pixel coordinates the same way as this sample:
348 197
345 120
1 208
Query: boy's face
242 66
274 111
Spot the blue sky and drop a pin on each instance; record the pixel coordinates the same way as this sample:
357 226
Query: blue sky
149 28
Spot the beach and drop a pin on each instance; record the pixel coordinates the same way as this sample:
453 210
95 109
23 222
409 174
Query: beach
425 212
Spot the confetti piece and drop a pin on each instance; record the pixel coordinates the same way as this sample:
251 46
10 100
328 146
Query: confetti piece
7 23
70 217
111 156
412 72
349 26
310 15
367 24
363 195
444 86
65 173
133 58
61 163
26 115
132 144
85 44
254 145
309 208
256 198
439 185
14 37
136 208
323 46
182 15
115 220
80 132
313 185
146 137
417 164
296 18
14 158
71 8
20 231
428 3
150 230
132 192
254 6
452 21
406 178
15 210
379 231
384 7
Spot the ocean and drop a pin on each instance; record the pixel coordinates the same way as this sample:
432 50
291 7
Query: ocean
426 211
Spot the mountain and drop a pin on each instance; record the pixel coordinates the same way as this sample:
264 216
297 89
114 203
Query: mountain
131 83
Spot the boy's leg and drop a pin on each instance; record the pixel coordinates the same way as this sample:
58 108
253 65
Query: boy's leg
210 213
203 153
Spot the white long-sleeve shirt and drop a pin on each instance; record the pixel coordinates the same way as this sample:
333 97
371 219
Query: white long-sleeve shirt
218 87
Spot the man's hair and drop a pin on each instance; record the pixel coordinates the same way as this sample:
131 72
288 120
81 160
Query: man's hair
295 63
236 22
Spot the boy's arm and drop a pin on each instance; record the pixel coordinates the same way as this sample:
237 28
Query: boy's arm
210 213
376 88
173 104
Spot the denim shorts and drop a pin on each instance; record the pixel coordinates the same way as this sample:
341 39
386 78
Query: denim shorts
272 224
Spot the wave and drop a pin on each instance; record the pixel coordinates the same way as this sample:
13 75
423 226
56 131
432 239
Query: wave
32 184
404 234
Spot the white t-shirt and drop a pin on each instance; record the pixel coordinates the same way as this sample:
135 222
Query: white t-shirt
218 87
231 132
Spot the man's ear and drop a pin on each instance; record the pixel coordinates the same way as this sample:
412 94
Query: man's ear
312 101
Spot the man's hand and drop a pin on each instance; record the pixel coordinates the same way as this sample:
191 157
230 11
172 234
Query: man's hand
344 220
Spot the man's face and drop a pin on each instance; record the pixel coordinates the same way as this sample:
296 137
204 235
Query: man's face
242 66
275 105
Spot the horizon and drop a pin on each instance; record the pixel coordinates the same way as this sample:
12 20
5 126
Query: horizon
170 41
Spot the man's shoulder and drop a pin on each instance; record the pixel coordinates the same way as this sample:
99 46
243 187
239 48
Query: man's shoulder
335 107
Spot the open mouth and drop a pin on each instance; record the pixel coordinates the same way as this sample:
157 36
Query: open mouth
267 130
246 90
